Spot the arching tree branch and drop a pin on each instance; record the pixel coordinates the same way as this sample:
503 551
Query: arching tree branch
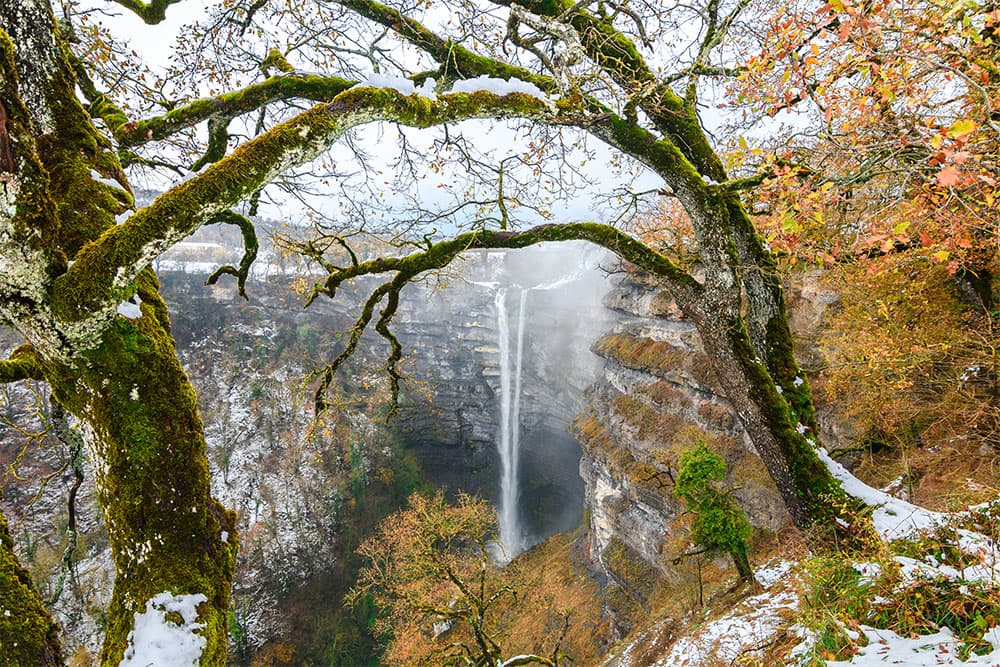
130 134
438 255
102 271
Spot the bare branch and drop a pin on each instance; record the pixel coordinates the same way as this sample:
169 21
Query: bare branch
250 247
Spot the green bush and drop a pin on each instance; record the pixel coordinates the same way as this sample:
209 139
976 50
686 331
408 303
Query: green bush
720 524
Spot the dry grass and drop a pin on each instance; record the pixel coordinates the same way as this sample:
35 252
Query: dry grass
656 358
557 583
945 477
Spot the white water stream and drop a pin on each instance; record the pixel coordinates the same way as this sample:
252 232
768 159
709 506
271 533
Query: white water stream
511 533
512 538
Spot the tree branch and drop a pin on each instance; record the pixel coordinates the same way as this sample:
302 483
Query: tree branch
619 58
22 365
439 255
456 61
250 247
130 134
152 12
103 270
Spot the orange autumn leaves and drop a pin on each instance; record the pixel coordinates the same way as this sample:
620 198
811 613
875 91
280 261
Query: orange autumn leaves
891 135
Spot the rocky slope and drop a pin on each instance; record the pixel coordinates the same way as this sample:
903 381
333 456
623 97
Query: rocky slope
657 397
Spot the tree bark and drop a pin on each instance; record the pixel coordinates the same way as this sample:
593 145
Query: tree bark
119 376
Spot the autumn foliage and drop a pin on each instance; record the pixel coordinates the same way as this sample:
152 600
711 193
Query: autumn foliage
891 130
432 569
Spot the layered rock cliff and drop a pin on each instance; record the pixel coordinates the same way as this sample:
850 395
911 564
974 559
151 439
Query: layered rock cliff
656 398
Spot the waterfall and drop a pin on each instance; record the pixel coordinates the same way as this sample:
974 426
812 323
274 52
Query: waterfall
512 537
511 533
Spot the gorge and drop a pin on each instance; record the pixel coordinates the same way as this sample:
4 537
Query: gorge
492 367
554 382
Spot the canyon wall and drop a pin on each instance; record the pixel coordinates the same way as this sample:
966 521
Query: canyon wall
657 397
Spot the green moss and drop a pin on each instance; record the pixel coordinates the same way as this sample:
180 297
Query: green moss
28 635
720 524
279 87
815 496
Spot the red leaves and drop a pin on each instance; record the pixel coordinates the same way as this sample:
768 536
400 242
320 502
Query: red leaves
949 176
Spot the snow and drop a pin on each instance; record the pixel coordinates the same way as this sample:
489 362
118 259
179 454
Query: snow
498 86
941 648
110 182
157 641
129 309
427 89
769 575
404 86
894 519
725 639
869 571
742 631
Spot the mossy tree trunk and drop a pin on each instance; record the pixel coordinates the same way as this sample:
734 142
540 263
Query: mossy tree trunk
28 636
61 188
141 425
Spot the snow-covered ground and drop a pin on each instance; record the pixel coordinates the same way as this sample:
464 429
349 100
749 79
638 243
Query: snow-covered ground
759 621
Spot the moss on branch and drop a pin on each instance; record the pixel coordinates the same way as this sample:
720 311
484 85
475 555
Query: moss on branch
23 364
440 254
455 60
104 269
228 105
250 247
152 12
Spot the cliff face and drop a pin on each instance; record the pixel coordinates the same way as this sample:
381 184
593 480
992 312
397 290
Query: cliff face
657 397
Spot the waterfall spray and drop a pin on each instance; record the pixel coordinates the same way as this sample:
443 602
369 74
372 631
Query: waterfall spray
512 537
